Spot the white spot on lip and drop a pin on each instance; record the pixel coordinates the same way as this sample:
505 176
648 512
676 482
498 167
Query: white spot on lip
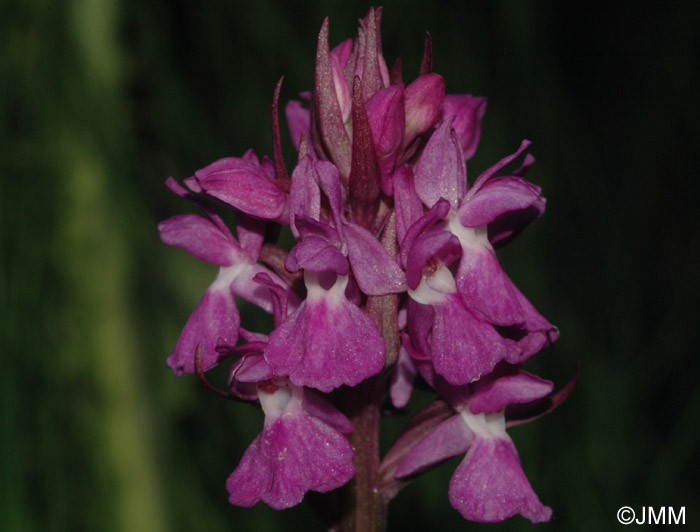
434 288
469 237
486 424
227 274
315 292
273 404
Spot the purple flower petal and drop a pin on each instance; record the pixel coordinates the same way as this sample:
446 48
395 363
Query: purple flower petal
538 332
326 342
177 188
507 226
342 88
246 373
200 237
375 271
463 347
242 284
216 317
251 234
330 182
488 174
308 226
448 439
253 477
423 100
489 485
440 171
304 194
280 296
420 319
342 52
408 205
442 247
436 213
244 186
299 119
402 377
294 454
497 197
316 254
252 368
484 287
518 414
490 395
468 111
386 115
316 406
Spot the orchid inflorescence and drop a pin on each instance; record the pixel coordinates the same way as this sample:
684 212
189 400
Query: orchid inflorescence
392 280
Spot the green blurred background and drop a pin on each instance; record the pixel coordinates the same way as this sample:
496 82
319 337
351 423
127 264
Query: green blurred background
102 100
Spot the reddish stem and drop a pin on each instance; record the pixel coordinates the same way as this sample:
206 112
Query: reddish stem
364 507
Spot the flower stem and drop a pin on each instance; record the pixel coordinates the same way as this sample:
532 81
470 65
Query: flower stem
364 507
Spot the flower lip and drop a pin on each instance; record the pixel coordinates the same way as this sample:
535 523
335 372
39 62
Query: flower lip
328 341
301 448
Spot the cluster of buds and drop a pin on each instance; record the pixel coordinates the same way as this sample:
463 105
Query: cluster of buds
393 280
